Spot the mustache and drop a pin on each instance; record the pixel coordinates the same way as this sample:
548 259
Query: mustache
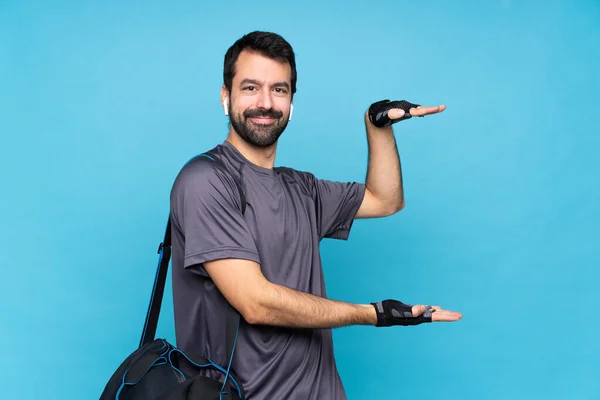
263 112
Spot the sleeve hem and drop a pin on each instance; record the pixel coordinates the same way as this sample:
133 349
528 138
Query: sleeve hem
343 232
220 253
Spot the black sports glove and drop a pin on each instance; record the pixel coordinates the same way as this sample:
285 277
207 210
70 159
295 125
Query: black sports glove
378 112
393 312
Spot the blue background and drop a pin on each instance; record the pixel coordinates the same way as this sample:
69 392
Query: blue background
100 105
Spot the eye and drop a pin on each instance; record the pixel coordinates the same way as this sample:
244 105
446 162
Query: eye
249 88
281 90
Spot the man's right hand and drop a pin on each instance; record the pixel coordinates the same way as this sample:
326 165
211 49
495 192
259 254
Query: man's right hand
394 312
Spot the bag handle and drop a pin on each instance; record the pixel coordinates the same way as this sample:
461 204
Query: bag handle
164 250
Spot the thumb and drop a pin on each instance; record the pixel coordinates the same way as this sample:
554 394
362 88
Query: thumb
418 310
396 113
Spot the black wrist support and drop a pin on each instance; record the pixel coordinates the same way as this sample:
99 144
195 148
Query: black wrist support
378 112
393 312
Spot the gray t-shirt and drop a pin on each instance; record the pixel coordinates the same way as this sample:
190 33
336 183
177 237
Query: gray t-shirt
288 212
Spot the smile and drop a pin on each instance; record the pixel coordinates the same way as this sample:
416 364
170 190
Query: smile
262 120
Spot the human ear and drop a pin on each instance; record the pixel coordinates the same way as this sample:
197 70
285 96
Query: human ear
224 99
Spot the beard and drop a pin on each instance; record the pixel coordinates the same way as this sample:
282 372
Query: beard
259 135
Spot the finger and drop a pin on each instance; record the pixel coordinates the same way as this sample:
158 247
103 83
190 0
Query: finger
445 316
436 308
420 111
396 113
438 317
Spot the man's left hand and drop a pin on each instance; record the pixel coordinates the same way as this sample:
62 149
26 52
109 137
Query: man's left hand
385 112
420 111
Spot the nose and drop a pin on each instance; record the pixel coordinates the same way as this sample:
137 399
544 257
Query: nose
264 100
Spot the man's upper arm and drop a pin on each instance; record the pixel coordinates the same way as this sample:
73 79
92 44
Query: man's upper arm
206 205
371 207
206 208
241 282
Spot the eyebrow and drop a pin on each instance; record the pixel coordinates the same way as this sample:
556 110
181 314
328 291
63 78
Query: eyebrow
255 82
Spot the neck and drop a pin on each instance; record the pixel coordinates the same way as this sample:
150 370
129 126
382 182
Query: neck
262 156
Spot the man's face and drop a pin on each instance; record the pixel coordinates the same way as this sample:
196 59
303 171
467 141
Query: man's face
260 99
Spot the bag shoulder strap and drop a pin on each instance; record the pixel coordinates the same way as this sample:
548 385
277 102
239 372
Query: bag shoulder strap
164 251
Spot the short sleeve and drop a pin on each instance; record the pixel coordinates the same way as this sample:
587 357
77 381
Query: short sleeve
337 204
206 206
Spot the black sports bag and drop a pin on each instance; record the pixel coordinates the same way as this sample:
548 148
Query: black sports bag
157 370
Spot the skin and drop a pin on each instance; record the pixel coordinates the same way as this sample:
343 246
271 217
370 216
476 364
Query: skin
261 83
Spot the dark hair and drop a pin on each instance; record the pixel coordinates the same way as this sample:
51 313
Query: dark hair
268 44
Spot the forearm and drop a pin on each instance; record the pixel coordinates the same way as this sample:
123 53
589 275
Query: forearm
282 306
384 173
